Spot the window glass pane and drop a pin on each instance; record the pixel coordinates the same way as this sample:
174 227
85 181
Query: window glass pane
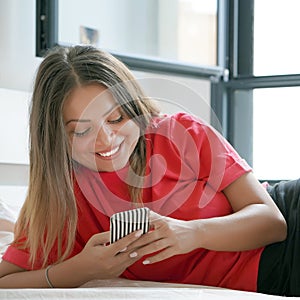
276 37
276 126
180 30
174 94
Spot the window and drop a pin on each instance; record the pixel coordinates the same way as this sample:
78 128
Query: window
178 30
276 122
276 42
276 126
246 50
262 94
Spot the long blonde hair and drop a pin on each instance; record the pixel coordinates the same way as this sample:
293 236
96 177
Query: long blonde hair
49 211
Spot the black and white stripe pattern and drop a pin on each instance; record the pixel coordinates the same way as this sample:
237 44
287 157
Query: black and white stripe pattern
125 222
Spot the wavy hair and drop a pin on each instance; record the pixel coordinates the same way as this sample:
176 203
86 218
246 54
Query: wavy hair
50 209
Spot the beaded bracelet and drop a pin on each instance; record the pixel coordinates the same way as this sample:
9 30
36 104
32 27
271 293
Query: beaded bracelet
47 277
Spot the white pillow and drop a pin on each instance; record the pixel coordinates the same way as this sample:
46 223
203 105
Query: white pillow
6 212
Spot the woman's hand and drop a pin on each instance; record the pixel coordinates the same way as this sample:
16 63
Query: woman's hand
254 222
169 237
102 260
95 261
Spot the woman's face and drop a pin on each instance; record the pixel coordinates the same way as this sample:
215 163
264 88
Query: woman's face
102 137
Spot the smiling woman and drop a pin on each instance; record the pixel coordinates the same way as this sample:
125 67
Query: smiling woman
98 146
101 141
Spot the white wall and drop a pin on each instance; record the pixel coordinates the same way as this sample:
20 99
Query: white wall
17 68
18 65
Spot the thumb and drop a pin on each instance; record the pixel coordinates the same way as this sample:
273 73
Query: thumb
156 220
99 239
155 217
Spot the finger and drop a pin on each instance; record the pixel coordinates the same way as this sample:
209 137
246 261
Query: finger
155 246
122 244
160 232
166 253
157 221
99 239
145 239
153 216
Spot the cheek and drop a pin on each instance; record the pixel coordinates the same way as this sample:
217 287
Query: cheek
78 146
131 130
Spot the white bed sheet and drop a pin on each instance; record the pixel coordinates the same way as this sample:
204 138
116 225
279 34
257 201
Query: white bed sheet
129 289
135 290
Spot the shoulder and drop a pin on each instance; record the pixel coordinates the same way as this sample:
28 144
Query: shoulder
181 117
185 126
181 131
179 120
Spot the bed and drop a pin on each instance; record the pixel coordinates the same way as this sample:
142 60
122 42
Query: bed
126 289
133 290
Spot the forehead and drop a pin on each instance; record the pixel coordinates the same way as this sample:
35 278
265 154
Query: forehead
88 101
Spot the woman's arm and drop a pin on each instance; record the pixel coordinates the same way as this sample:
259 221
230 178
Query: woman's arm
95 261
256 222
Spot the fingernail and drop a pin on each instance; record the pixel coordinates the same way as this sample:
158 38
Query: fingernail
133 254
123 250
146 262
139 233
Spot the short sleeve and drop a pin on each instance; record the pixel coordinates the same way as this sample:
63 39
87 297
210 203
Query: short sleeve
17 257
216 162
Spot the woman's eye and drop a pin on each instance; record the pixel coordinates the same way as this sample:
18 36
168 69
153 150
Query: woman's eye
81 133
117 120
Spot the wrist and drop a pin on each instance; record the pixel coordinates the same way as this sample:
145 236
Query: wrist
49 282
198 233
68 274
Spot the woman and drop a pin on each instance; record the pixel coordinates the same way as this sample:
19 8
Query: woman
100 146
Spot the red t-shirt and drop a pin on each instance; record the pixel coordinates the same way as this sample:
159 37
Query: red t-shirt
189 164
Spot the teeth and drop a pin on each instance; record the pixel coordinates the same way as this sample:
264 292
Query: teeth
109 153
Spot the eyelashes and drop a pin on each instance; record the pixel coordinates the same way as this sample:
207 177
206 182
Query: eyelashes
87 130
118 120
81 133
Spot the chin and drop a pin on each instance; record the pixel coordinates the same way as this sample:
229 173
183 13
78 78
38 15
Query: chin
112 168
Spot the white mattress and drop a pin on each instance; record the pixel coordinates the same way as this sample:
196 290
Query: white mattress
133 290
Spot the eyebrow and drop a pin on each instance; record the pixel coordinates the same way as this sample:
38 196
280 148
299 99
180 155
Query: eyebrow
86 120
77 120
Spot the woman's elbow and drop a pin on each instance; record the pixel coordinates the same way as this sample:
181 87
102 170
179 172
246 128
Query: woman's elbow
281 228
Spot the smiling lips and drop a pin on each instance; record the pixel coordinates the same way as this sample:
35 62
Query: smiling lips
109 153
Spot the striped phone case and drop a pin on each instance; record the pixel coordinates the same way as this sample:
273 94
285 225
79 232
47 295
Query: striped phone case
125 222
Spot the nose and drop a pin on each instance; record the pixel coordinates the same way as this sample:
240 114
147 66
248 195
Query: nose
105 135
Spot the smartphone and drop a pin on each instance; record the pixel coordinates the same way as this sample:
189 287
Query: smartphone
125 222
